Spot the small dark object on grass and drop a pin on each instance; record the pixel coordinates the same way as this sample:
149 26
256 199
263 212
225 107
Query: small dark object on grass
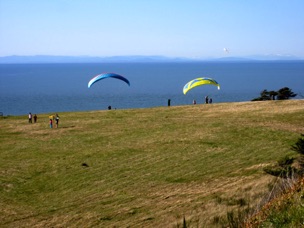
85 164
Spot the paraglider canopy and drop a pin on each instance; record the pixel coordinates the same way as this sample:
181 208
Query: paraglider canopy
226 50
107 75
198 82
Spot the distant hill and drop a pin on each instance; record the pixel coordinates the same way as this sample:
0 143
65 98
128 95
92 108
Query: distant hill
131 58
87 59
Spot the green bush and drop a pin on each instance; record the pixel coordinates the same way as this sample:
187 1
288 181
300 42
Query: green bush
282 94
299 146
283 168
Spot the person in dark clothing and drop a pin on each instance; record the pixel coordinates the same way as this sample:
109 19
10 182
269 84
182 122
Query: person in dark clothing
35 118
206 99
57 120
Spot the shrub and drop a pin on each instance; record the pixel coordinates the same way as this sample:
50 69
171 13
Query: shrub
282 94
283 168
299 146
285 93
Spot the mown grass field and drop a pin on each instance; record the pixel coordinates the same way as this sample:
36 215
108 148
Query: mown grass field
142 167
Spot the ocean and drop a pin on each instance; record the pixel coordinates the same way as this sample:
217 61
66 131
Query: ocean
54 88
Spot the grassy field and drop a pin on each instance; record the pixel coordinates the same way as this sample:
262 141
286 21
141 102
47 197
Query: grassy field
142 167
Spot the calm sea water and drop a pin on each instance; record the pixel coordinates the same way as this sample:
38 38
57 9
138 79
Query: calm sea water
52 88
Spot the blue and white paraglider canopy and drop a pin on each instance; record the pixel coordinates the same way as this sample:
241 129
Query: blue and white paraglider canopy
107 75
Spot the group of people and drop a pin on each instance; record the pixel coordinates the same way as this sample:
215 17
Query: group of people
31 117
54 118
207 100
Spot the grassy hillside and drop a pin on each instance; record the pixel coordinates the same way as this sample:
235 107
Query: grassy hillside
142 167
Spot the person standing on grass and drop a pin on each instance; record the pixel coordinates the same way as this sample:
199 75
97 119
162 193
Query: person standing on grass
51 123
35 118
30 117
206 99
57 120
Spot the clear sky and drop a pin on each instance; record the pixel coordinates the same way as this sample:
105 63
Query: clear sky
181 28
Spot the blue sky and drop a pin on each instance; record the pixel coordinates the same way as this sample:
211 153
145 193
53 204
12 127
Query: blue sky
174 28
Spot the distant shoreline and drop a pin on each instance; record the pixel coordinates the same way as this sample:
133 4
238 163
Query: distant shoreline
15 59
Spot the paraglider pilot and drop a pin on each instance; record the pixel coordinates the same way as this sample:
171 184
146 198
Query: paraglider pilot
206 99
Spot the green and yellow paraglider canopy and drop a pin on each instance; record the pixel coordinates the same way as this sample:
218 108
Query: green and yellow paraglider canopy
198 82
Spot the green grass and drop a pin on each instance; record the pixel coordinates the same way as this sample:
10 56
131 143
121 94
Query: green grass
285 210
146 167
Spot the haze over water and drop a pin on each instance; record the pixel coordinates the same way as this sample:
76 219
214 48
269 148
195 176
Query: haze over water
52 88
